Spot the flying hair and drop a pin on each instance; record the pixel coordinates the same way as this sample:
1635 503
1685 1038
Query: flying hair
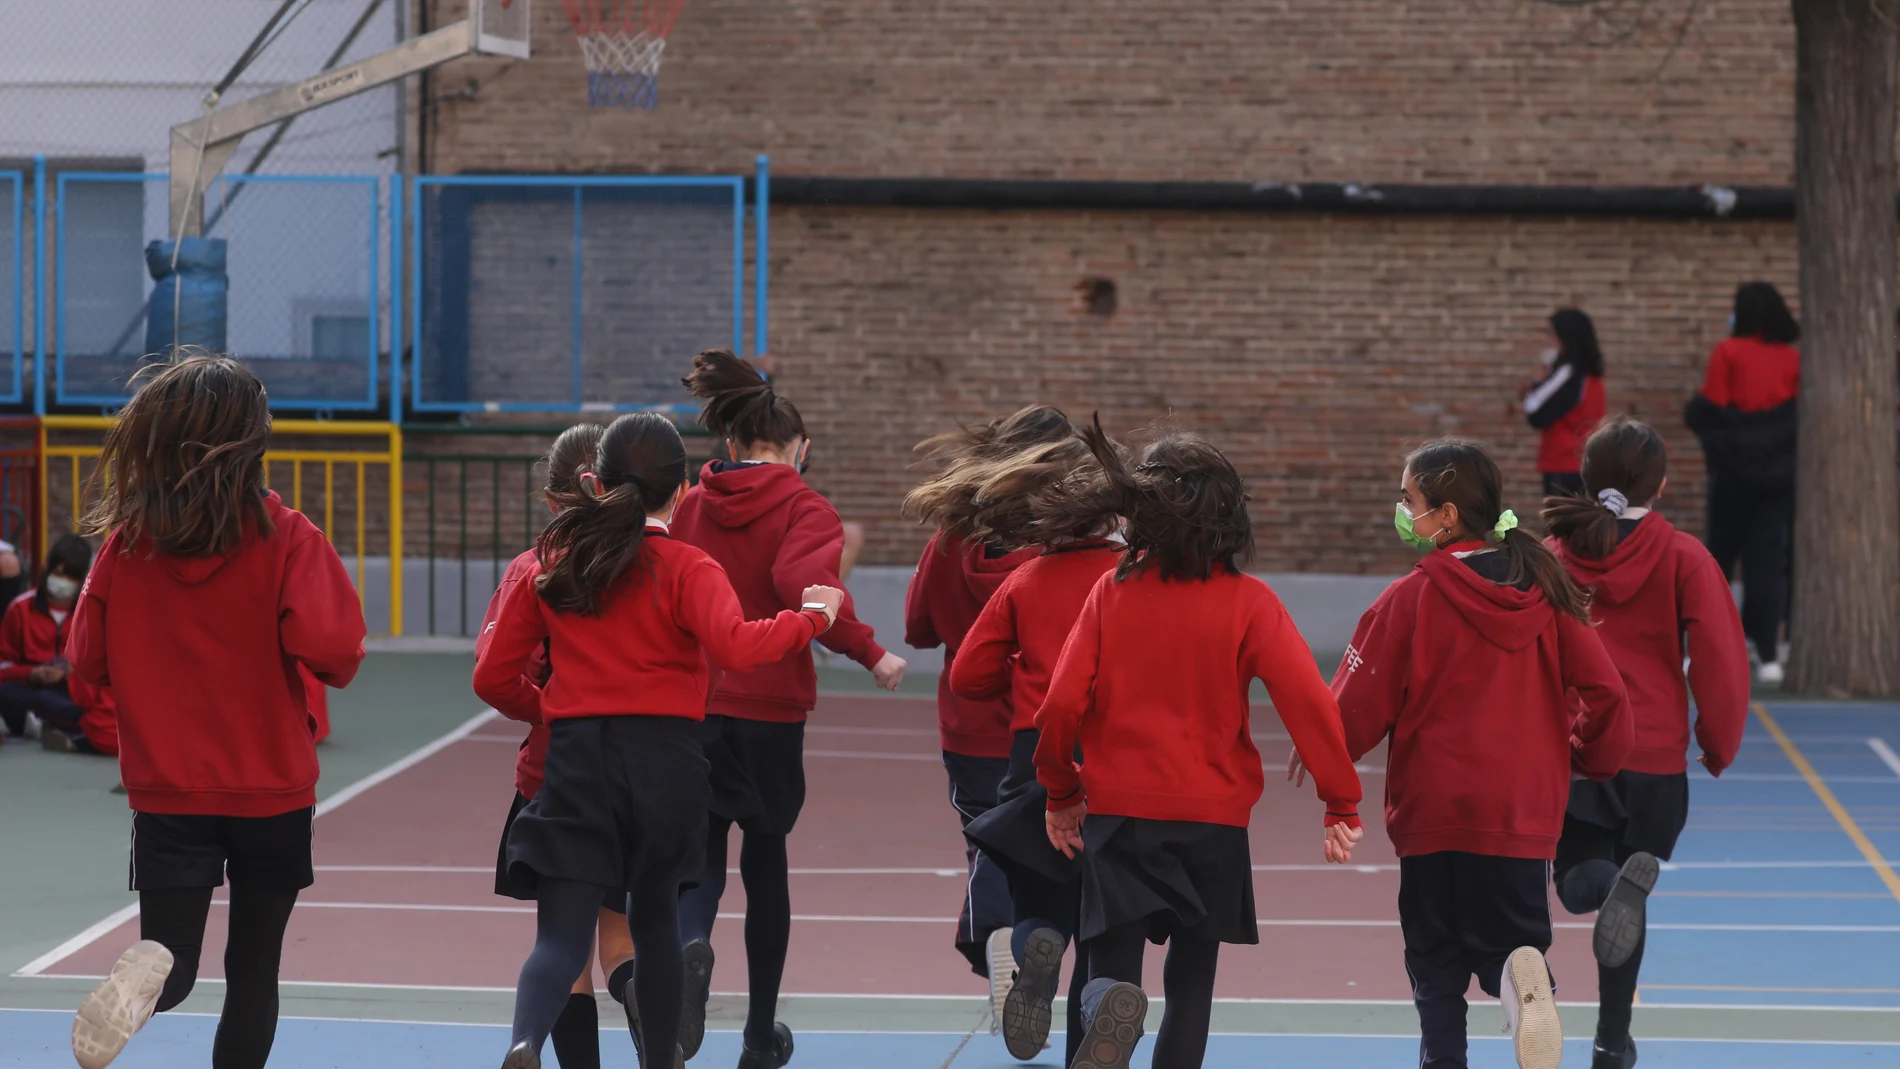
741 405
967 458
584 551
182 469
1458 470
1623 455
1182 503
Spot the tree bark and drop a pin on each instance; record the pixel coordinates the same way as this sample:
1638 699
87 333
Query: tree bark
1846 611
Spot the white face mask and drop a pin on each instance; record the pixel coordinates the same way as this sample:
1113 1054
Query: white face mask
1549 356
60 588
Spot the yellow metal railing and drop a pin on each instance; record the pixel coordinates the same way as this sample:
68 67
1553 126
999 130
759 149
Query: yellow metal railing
390 456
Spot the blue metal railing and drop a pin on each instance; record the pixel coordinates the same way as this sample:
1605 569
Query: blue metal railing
15 289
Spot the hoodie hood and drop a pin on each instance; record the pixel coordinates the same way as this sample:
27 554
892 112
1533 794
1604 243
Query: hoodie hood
194 570
983 573
1618 577
734 495
1504 616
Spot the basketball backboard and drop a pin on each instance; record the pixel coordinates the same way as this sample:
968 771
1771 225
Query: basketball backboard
501 27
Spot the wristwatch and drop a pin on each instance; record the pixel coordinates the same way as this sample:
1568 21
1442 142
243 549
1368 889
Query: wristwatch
819 607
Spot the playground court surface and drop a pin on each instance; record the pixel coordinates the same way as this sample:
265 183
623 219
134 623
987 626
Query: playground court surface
1774 931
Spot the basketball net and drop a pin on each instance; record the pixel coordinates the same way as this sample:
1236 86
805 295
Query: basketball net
622 42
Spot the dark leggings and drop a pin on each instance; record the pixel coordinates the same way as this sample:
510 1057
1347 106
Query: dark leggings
1749 533
766 873
565 923
1589 858
176 917
1187 983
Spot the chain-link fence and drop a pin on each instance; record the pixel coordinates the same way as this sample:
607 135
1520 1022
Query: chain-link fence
93 89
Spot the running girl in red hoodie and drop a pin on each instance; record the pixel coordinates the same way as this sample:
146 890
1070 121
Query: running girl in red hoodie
1011 652
774 536
1152 685
206 598
1657 596
1472 665
954 580
631 616
576 1032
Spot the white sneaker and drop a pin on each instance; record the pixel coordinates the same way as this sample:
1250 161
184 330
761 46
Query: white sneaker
33 726
1531 1008
1770 674
120 1005
1002 968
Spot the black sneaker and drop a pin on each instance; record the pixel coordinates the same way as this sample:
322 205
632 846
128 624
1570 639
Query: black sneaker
1027 1009
521 1056
633 1029
779 1055
1623 917
1605 1058
699 967
1113 1030
52 738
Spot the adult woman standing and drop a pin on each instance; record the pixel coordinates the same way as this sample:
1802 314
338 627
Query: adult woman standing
1745 417
1568 402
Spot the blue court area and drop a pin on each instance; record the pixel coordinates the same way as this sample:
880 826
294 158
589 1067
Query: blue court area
39 1039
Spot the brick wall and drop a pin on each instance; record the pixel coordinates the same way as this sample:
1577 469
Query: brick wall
1282 90
1315 349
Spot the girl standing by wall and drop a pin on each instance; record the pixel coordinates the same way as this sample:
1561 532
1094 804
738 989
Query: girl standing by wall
1568 401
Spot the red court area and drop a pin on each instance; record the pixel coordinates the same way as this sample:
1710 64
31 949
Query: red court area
404 893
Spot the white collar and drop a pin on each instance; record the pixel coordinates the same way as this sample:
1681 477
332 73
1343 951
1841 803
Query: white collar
1634 512
660 525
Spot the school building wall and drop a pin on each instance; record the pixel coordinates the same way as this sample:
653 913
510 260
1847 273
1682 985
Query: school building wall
1315 348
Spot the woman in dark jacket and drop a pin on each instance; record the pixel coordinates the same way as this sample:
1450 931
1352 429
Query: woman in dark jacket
1745 417
1568 402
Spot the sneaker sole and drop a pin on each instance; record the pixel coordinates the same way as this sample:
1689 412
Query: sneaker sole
1540 1034
634 1030
1002 963
1026 1009
699 967
1109 1042
521 1056
1624 915
115 1009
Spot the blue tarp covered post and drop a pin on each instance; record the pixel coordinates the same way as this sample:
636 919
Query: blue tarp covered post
189 303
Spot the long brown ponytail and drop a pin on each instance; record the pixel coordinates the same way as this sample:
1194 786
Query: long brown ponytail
1459 471
1624 464
639 463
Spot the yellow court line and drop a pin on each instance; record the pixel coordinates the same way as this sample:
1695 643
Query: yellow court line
1821 790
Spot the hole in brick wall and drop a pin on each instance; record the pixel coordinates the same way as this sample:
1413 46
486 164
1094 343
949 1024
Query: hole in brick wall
1098 295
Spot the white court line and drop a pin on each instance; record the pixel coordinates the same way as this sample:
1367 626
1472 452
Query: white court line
1885 753
1667 866
120 916
1787 777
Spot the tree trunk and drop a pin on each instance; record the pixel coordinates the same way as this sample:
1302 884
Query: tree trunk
1846 624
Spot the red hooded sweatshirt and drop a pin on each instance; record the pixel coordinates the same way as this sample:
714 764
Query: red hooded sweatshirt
31 637
1012 649
953 581
1475 683
774 536
533 756
1657 585
645 654
202 656
1153 684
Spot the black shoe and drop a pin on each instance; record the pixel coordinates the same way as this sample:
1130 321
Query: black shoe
1109 1041
1027 1010
52 738
1602 1058
779 1055
1623 917
699 967
521 1056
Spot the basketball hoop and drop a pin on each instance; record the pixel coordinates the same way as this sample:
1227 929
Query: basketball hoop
622 42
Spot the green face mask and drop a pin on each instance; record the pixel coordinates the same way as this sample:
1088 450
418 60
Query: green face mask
1402 520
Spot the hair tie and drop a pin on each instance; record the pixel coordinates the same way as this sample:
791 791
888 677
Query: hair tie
1613 500
1506 523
